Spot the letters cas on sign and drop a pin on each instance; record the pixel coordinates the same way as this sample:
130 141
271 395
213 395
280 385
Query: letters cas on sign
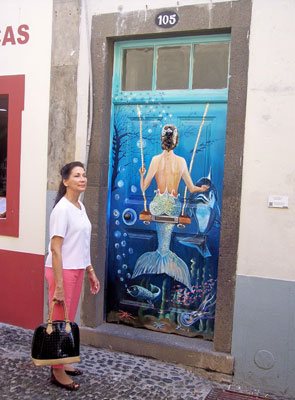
166 19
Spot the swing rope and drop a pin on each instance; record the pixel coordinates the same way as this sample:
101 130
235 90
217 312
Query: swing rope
141 152
193 156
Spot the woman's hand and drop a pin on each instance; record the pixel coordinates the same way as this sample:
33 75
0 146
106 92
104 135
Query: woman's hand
199 189
204 188
142 170
59 294
93 281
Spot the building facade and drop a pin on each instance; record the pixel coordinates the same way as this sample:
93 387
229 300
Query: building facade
25 92
209 276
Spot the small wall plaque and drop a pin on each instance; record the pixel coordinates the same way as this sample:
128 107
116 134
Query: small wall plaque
278 201
166 19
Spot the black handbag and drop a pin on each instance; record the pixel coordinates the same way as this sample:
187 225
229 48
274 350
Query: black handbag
56 342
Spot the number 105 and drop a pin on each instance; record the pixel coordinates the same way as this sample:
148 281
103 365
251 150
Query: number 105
167 19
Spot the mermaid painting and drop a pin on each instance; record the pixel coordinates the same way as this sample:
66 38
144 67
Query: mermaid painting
168 169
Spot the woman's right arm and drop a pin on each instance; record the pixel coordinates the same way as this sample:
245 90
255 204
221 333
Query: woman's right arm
55 246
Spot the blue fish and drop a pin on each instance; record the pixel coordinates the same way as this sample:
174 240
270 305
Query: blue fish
142 293
205 210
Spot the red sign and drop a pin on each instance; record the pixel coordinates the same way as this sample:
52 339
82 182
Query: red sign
13 36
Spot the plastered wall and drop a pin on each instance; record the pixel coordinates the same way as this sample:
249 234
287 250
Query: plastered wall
105 6
31 58
263 345
266 244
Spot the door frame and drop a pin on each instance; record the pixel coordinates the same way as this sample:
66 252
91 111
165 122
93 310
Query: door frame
228 17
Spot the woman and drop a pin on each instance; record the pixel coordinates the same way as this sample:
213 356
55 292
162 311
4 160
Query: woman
69 256
168 169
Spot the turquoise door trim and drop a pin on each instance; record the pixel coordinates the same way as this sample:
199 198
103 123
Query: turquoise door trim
172 96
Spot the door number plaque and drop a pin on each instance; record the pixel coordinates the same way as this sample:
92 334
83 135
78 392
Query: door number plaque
166 19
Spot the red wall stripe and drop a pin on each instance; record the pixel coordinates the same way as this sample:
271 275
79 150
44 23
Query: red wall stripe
21 288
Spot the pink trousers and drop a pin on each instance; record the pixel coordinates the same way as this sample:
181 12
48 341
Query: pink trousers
72 280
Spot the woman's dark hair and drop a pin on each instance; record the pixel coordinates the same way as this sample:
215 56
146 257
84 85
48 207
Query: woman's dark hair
65 173
169 137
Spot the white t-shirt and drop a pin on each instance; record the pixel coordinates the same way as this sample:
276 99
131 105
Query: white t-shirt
67 221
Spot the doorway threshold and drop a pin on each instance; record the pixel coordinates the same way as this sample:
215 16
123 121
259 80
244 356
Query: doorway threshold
195 354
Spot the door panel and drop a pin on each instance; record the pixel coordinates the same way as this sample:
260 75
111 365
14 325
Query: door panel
173 292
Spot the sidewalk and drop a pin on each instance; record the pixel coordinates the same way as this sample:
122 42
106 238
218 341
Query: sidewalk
107 375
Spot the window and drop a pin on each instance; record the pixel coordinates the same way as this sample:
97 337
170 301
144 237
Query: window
11 106
173 67
194 64
137 69
210 66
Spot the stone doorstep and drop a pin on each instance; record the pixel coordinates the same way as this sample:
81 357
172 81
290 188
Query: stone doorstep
194 354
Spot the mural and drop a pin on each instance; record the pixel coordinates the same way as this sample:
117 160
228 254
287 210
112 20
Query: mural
164 220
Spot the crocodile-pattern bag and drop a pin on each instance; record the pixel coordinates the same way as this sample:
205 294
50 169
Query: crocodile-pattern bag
56 342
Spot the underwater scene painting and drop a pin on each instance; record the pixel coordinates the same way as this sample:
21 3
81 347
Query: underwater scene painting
164 216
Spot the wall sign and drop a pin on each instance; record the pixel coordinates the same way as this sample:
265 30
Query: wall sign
278 201
13 36
166 19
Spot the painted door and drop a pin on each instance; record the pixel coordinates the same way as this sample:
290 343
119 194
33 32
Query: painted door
163 263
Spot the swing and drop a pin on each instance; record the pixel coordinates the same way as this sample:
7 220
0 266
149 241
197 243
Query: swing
181 220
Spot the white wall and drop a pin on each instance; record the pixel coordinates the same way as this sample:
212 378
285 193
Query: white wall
266 247
111 6
33 60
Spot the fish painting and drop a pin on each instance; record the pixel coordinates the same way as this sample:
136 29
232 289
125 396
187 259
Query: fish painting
141 293
203 207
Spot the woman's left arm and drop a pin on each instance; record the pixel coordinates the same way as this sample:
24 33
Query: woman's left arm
146 181
93 281
188 180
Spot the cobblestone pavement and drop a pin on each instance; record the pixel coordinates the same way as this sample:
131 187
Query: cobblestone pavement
107 375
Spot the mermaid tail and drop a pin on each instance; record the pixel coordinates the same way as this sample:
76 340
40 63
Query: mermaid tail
163 260
170 264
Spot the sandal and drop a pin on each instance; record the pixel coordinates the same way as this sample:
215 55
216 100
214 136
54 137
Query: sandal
75 372
70 386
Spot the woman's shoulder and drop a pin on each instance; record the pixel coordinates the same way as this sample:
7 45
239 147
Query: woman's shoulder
156 157
155 161
60 207
181 164
82 205
180 159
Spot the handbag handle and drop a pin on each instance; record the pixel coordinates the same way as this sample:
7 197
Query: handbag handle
49 329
